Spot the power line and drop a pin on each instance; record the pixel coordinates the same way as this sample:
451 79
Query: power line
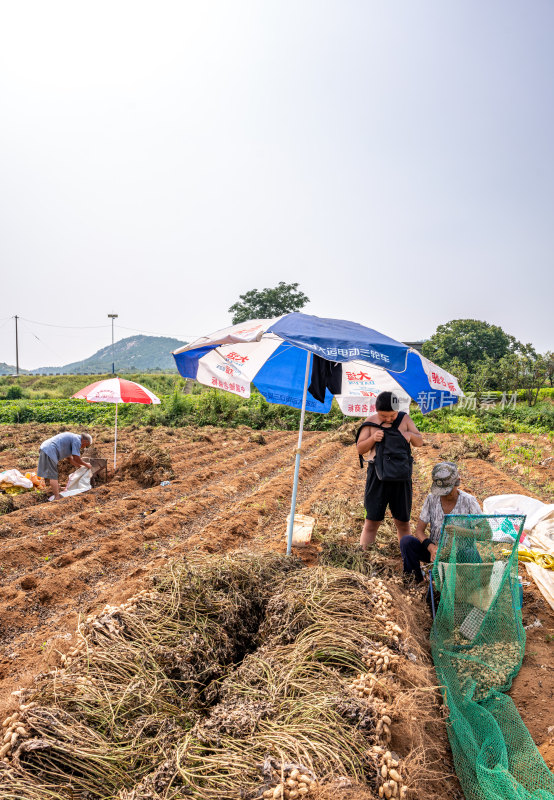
53 352
74 327
96 327
47 347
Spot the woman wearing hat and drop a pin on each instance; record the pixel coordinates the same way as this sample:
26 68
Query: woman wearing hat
444 498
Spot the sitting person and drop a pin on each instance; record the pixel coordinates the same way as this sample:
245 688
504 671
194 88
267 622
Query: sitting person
444 498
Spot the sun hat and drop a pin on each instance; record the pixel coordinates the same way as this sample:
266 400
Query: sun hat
445 476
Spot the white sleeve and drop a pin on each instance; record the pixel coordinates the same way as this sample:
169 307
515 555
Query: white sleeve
473 505
425 513
476 506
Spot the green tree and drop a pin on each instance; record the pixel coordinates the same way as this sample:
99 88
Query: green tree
508 369
265 303
470 341
549 359
524 370
483 376
460 370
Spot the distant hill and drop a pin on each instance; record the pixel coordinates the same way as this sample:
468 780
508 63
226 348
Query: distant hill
7 369
133 354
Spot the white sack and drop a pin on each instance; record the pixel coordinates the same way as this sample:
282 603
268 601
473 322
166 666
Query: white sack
534 510
78 481
13 477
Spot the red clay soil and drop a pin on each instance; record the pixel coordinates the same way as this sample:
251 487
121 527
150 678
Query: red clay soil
62 559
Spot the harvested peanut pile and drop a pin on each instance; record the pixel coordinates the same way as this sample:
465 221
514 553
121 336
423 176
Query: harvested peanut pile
329 694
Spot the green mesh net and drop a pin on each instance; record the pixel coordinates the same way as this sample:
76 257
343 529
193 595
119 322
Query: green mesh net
477 643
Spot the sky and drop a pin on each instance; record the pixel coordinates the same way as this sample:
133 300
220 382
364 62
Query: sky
157 160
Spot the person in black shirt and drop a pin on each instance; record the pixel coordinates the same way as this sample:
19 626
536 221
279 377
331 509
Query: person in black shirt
380 492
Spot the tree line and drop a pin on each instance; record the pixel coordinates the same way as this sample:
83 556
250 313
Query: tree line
482 356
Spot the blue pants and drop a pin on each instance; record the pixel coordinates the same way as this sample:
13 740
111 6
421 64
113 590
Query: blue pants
413 552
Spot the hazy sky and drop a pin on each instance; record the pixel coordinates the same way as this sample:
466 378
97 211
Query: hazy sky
159 159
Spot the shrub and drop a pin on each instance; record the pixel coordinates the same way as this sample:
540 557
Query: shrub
14 393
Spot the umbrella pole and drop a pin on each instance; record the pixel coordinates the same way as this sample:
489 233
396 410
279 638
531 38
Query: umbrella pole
298 448
115 439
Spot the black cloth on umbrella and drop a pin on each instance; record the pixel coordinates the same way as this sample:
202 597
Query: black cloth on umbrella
325 375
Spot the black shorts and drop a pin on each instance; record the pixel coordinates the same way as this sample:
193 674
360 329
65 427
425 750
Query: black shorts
380 494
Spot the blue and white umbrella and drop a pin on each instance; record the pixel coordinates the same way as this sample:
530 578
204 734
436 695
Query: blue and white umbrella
276 355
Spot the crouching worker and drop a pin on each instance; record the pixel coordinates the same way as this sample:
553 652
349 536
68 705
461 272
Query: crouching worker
55 449
444 498
385 438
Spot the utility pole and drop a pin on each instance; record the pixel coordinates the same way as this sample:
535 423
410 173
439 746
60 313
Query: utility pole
16 348
112 317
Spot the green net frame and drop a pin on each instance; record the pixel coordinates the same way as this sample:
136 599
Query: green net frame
478 642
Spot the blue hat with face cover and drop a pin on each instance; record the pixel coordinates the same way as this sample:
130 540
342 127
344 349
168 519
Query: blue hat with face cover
445 477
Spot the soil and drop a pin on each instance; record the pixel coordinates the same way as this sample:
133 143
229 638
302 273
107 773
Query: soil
63 559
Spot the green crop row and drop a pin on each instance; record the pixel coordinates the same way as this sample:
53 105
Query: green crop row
208 408
518 419
214 407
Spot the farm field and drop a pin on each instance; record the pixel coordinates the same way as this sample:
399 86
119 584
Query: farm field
229 489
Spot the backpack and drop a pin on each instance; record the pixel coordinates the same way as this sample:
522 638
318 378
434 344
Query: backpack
393 455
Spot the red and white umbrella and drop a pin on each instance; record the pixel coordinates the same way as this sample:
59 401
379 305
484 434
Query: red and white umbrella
116 390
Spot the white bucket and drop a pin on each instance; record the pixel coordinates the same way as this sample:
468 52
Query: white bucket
302 529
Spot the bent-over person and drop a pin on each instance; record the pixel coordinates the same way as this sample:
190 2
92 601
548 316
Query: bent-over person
53 450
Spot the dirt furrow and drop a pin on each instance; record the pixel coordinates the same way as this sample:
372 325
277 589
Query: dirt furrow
94 522
61 559
345 481
263 510
205 467
479 477
75 576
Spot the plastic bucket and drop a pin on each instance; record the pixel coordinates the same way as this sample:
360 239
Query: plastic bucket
302 529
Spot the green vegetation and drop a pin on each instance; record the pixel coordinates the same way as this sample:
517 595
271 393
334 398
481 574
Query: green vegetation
484 357
211 407
267 303
521 419
45 399
468 341
14 393
525 371
134 353
61 387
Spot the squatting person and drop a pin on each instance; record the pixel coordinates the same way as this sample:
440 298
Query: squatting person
55 449
444 498
386 438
